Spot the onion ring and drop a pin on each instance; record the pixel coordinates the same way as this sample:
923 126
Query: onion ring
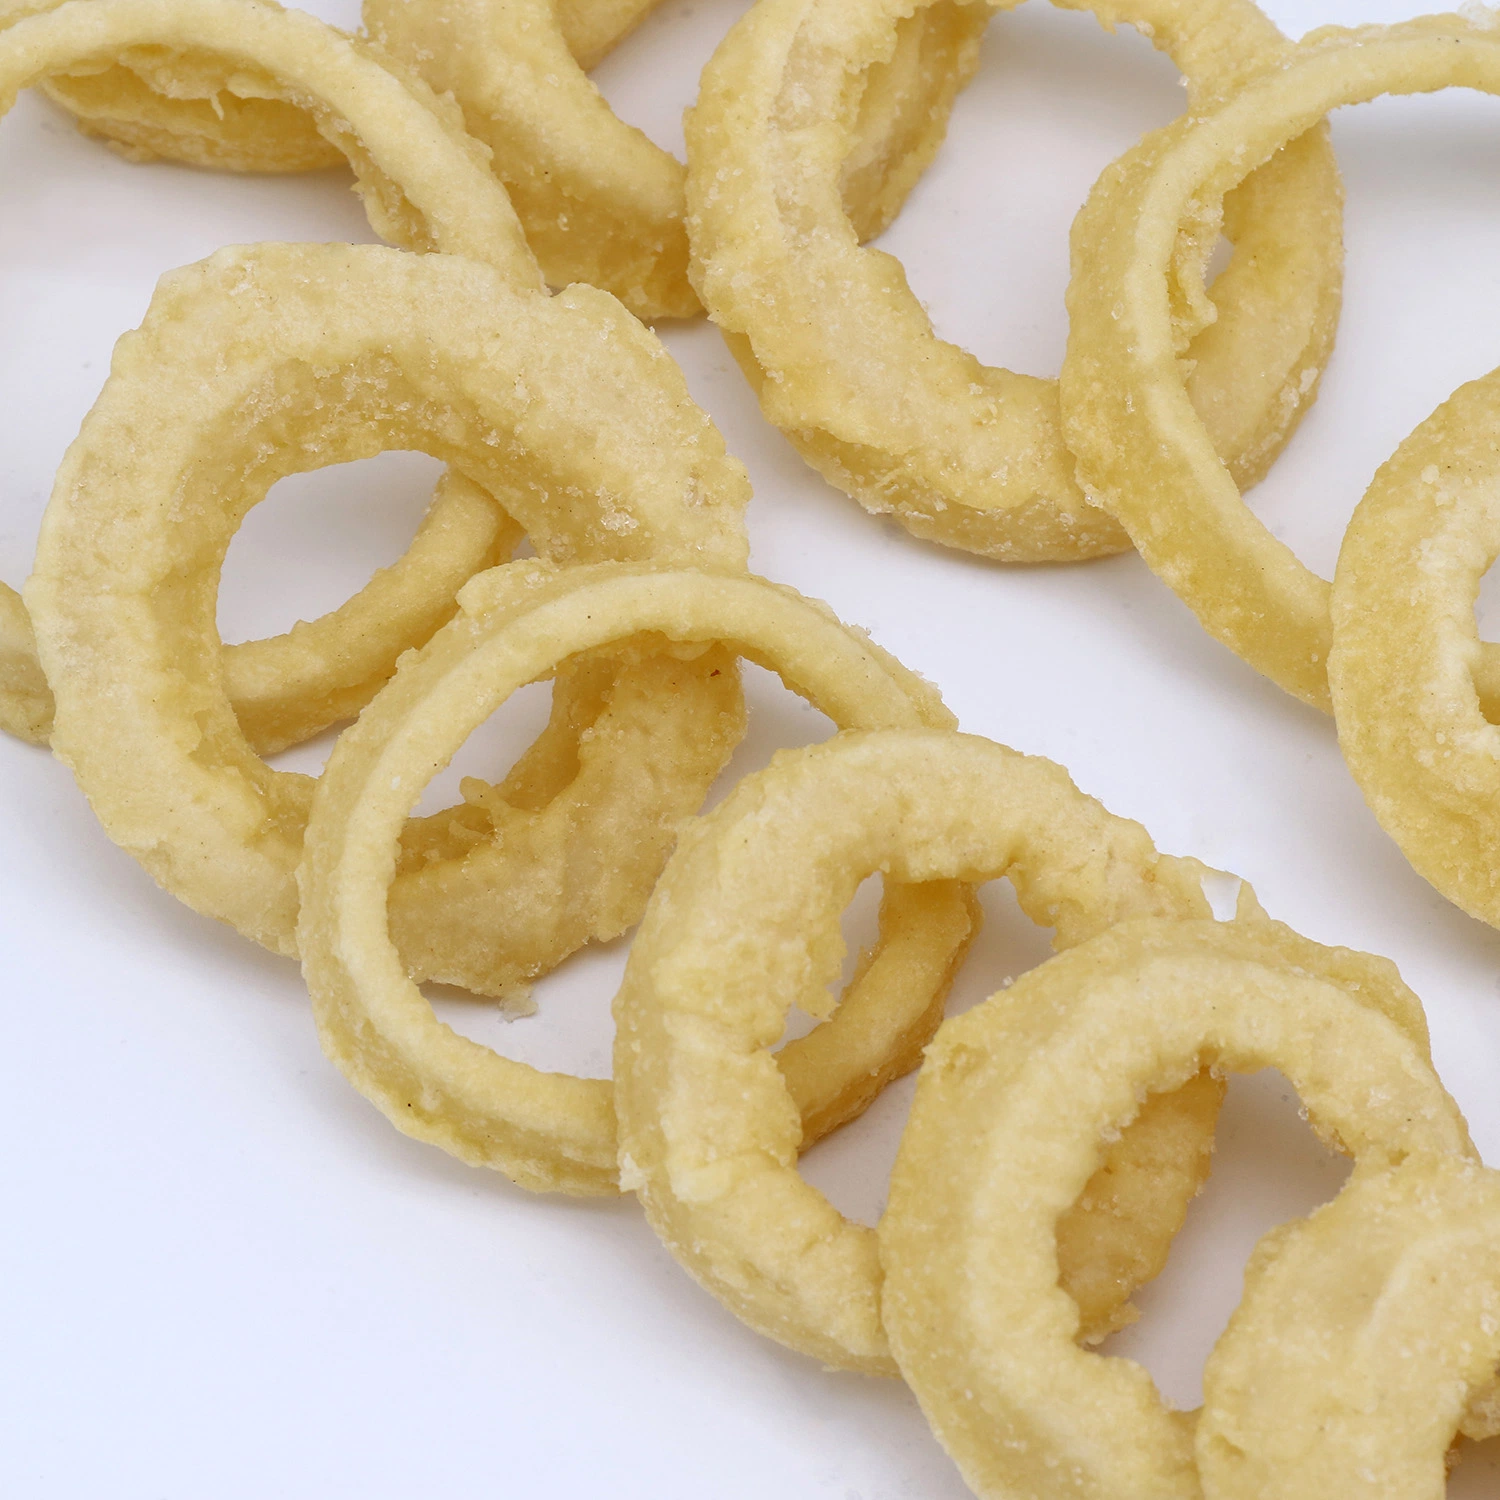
1005 1130
602 203
259 363
1137 295
188 108
745 923
550 1131
425 185
1411 680
844 357
1363 1334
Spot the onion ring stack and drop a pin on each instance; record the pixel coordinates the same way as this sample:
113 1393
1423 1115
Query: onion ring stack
1061 1129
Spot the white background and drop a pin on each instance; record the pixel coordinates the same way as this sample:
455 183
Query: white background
223 1275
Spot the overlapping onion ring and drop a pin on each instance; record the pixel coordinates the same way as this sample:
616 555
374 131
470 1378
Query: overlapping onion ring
744 924
1012 1105
1411 680
843 355
1363 1336
601 203
259 363
189 107
424 184
1136 301
516 624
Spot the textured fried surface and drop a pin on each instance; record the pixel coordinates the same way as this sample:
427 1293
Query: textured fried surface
549 1131
601 203
1363 1333
745 923
1413 686
844 357
1012 1106
260 363
1136 300
426 185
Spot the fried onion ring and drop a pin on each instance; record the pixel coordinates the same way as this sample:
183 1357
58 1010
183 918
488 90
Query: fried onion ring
551 1131
259 363
190 108
844 357
1136 301
745 923
1011 1107
601 203
1412 683
424 185
1364 1334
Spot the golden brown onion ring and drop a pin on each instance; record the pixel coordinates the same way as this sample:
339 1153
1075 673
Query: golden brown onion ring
425 184
1012 1106
516 624
843 355
1410 678
259 363
1137 300
745 923
1364 1333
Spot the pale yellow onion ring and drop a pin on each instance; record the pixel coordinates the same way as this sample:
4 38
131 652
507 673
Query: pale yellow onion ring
844 357
1143 452
1410 678
601 203
262 362
1006 1129
744 923
423 183
516 624
1364 1332
184 109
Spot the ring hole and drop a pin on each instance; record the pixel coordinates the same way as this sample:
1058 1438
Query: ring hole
984 236
317 538
1477 1475
852 1167
1268 1167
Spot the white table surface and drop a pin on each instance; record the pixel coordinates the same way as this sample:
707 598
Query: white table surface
223 1275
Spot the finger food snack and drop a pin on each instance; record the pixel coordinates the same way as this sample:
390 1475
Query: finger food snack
844 357
424 184
744 924
1411 680
1012 1108
193 108
260 363
1137 301
601 202
516 624
1363 1334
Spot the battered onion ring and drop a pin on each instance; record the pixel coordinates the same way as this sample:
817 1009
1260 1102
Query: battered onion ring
187 107
1364 1332
424 184
551 1131
844 356
600 202
1412 683
745 923
259 363
1011 1106
1136 298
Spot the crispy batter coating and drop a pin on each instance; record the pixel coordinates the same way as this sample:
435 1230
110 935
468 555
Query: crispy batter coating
259 363
1137 301
744 924
844 357
1013 1104
518 623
